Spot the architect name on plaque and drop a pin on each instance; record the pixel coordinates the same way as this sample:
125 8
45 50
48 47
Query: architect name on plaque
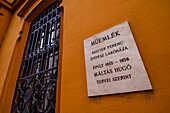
113 63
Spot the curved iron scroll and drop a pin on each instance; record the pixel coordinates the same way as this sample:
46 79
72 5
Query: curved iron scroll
36 84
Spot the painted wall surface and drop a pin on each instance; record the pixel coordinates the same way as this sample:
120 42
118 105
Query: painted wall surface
149 22
7 48
10 1
5 16
12 49
81 19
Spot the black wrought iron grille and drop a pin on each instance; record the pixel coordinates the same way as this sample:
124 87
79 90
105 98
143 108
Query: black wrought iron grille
36 84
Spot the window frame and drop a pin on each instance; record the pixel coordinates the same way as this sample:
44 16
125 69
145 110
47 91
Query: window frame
58 83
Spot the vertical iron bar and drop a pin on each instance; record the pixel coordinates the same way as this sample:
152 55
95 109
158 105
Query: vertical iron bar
42 57
48 50
36 57
32 64
30 59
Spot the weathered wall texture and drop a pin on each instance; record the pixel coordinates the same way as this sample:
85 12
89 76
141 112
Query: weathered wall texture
149 22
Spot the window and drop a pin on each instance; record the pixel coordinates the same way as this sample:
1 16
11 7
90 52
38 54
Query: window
36 84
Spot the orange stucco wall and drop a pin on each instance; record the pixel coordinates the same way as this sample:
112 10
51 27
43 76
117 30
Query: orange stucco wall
10 1
149 22
12 50
7 47
4 22
81 19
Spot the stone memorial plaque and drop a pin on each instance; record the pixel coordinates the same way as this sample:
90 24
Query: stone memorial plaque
113 63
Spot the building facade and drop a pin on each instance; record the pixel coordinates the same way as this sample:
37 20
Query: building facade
73 21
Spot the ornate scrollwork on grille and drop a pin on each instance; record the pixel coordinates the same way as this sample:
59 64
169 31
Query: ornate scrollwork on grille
36 84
